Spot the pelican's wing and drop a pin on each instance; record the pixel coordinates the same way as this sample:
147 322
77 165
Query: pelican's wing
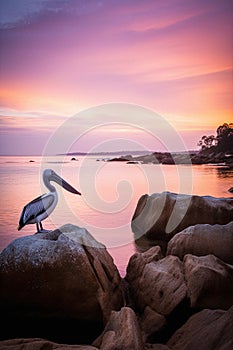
34 208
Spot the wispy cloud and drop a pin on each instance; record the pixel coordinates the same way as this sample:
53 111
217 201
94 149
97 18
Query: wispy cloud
14 120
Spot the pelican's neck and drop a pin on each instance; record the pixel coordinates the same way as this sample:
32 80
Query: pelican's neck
49 186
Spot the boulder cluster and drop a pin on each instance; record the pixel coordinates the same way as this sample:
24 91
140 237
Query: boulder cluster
160 216
62 288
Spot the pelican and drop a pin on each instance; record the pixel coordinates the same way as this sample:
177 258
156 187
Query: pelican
41 207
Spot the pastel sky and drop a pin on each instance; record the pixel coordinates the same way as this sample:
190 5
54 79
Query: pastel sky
59 57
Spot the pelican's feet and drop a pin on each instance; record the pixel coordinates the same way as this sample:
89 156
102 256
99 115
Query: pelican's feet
43 231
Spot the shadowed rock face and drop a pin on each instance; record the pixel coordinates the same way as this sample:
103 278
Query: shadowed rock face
121 332
167 291
160 216
39 344
64 277
209 282
207 330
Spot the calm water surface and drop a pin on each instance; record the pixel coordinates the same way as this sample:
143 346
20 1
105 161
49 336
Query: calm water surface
110 191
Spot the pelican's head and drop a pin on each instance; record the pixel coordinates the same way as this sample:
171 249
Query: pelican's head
50 175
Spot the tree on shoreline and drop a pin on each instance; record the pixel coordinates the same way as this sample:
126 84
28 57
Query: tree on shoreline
225 137
207 141
223 142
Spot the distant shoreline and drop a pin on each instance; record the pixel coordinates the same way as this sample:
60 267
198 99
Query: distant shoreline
103 153
171 158
146 152
193 157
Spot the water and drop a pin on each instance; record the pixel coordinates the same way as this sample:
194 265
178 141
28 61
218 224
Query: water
110 192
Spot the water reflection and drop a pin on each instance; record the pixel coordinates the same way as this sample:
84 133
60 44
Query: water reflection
118 188
224 172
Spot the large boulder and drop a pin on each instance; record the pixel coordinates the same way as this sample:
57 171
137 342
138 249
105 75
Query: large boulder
209 282
206 330
121 332
204 239
65 278
160 283
160 216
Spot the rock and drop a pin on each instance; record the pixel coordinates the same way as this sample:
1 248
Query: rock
121 332
65 278
206 330
163 286
132 162
168 159
158 289
39 344
151 322
146 159
209 282
138 261
162 215
121 159
204 239
230 190
156 347
160 284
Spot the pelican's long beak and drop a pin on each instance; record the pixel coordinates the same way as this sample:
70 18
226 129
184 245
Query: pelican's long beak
64 184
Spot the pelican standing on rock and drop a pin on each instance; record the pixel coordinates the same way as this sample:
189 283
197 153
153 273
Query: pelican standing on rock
41 207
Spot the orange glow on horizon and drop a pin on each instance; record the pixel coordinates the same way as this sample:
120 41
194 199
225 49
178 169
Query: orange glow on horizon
172 57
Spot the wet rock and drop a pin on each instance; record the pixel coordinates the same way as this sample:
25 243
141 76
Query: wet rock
204 239
162 215
121 332
206 330
209 282
39 344
65 278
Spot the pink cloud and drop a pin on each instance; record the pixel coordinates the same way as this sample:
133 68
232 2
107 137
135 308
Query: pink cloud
174 57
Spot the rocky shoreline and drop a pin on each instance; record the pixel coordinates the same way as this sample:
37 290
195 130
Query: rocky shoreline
194 158
63 287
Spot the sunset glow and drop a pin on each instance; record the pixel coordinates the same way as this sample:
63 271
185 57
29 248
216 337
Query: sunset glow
59 57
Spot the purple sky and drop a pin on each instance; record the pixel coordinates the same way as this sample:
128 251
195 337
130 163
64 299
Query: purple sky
60 57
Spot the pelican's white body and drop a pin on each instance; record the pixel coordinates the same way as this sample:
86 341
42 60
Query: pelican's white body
40 208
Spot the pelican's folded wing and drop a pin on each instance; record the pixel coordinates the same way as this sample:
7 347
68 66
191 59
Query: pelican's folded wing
34 208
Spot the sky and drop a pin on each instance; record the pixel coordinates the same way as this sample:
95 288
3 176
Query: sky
61 57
